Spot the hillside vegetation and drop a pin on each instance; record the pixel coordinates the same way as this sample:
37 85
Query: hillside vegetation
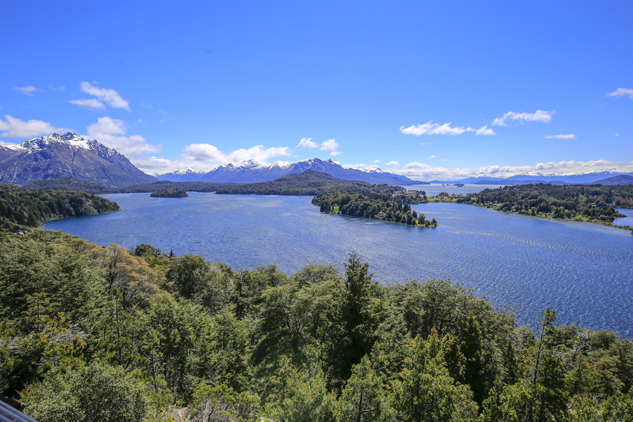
66 183
90 333
22 208
310 182
593 203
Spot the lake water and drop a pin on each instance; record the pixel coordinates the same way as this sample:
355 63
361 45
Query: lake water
584 271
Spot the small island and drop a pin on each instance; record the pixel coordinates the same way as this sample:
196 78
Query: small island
375 207
169 193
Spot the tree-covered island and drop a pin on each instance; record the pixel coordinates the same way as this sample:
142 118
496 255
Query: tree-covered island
23 209
91 333
169 193
378 207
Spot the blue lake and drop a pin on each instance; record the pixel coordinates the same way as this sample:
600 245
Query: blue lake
584 271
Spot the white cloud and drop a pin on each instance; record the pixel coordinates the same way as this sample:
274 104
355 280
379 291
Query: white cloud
431 128
26 90
307 143
393 163
416 165
620 92
212 155
421 171
431 157
108 96
376 161
112 133
207 157
570 136
360 166
617 134
331 146
485 131
90 103
538 116
16 128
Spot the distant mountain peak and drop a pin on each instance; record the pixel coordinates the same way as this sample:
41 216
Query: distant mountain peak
72 155
250 171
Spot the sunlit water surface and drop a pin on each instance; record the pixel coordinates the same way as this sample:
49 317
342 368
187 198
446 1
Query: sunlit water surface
584 271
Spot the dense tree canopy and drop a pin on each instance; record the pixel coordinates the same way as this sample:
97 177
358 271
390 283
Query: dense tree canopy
99 333
169 193
569 202
379 207
309 182
21 208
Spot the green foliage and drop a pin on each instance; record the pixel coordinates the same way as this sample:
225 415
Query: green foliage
66 183
593 203
21 208
91 393
169 193
378 207
100 333
310 182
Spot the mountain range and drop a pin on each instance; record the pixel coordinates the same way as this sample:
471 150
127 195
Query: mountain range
585 178
68 155
252 172
71 155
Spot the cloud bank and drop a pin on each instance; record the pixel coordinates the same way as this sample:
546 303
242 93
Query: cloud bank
425 172
13 127
112 133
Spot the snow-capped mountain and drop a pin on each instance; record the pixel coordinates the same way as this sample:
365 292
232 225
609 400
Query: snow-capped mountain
252 172
69 155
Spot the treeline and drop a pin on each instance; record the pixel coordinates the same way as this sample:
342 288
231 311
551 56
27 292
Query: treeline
377 207
408 197
90 333
66 183
569 202
21 208
169 193
309 182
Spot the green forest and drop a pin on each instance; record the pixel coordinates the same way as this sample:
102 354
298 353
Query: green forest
21 208
378 207
91 333
309 182
169 193
66 183
591 203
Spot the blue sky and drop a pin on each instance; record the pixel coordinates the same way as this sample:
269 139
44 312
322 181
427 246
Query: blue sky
443 89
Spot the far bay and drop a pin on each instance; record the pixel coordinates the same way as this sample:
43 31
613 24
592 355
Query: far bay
584 271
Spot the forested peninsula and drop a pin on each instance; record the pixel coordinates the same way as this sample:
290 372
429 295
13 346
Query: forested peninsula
310 182
101 333
376 207
22 209
66 183
591 203
169 193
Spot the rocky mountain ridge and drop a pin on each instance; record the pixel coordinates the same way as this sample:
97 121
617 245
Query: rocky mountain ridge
253 172
67 155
